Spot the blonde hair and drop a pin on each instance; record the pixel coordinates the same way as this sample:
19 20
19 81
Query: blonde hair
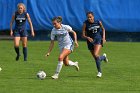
21 4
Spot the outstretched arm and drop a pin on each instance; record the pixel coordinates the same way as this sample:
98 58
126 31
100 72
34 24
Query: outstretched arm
50 48
31 26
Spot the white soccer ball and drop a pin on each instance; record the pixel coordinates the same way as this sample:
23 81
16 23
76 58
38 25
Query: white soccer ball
41 75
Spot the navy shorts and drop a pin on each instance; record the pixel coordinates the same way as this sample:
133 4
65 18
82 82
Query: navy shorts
95 42
18 33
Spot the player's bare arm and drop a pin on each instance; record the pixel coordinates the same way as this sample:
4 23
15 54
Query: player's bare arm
75 37
11 24
31 26
103 29
84 33
50 48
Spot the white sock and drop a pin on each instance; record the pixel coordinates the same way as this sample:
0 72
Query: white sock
71 63
59 67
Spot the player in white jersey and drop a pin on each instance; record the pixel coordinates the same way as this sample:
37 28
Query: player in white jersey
66 45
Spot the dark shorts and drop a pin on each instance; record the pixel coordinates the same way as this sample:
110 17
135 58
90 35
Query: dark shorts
95 42
18 33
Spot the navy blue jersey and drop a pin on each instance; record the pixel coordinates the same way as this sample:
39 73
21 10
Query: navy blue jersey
93 30
20 21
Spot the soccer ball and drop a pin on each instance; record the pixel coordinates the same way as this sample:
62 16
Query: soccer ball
41 75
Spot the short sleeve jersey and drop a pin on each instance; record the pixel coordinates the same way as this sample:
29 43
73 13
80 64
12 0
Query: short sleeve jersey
62 35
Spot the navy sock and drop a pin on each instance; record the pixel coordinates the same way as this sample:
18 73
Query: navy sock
102 58
25 53
17 51
98 64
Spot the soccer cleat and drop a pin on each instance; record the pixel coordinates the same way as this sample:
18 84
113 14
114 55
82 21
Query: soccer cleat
99 74
76 65
17 57
106 59
25 59
55 76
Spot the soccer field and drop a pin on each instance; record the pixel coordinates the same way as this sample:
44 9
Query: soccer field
120 75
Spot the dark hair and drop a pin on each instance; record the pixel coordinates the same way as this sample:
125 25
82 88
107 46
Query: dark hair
89 12
58 19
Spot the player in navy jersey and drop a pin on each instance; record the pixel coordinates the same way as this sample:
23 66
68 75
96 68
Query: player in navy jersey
19 31
66 44
94 32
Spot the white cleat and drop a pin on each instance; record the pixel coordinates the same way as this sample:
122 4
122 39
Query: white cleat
106 59
99 74
76 65
55 76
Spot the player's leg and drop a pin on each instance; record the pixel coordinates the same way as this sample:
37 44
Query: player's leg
104 57
62 55
66 59
95 54
16 46
24 44
68 62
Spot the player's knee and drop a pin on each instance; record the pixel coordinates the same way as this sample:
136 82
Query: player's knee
95 55
60 58
16 45
24 44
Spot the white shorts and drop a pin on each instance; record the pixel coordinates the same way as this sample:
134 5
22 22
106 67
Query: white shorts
70 47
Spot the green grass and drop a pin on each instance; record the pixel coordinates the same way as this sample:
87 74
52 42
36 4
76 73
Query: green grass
120 75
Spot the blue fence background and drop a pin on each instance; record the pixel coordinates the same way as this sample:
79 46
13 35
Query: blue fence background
116 15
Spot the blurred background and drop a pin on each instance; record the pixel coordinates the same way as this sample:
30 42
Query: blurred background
121 18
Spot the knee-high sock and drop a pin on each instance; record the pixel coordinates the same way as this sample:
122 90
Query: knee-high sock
98 64
71 63
17 50
102 58
59 67
25 53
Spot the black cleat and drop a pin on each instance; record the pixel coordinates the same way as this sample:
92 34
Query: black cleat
25 59
17 58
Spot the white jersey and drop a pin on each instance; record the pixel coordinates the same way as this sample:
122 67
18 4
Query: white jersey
62 35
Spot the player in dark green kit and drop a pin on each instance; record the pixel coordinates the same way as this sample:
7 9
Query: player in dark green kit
94 32
19 31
